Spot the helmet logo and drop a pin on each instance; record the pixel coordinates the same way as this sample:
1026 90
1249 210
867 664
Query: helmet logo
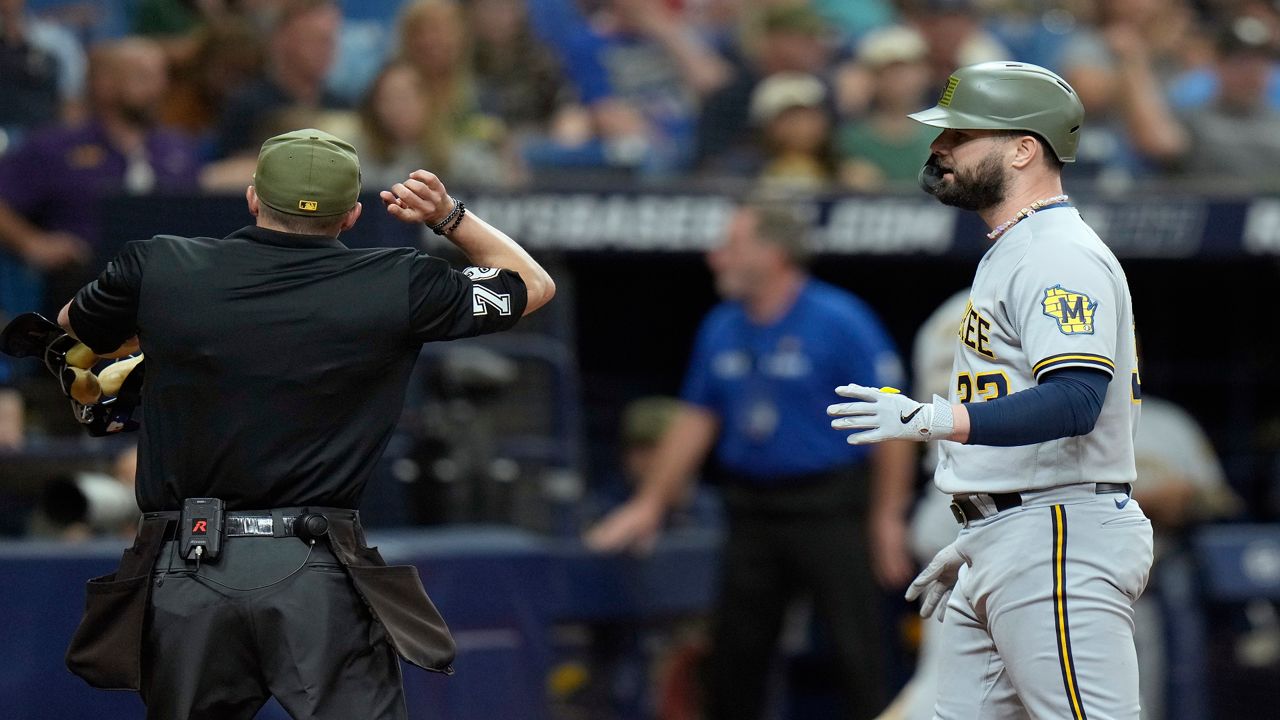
945 100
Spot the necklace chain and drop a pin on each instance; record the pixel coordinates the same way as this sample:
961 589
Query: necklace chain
1025 213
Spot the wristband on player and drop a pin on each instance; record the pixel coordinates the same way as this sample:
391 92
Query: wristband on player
454 216
462 212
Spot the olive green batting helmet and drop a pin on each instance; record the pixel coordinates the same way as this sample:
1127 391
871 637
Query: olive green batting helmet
1010 96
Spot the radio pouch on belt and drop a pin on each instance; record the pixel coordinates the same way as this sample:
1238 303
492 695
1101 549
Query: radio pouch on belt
201 528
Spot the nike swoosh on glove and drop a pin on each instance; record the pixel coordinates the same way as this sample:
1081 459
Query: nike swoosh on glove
887 414
936 582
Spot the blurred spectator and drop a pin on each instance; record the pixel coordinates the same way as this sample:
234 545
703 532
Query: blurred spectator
119 149
42 70
1120 71
623 654
518 79
300 52
398 135
796 139
644 421
1237 136
1166 30
855 18
173 17
433 39
953 30
224 55
640 72
791 38
717 22
1198 85
468 145
886 146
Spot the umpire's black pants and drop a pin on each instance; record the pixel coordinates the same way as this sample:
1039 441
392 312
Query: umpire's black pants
783 544
309 640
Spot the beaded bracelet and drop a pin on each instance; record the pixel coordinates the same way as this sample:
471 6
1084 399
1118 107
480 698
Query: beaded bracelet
454 214
462 211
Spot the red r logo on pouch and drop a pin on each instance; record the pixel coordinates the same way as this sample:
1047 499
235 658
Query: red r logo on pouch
201 527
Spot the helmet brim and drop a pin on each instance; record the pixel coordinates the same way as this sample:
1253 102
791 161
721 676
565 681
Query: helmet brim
940 117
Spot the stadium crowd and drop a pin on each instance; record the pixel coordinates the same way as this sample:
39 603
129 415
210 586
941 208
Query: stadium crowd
793 93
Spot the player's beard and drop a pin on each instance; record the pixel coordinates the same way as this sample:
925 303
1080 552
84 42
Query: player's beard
978 189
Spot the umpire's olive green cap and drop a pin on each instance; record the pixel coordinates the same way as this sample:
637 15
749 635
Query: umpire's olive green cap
1010 96
308 172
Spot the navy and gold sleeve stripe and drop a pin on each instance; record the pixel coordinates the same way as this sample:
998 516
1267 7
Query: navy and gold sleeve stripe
1062 360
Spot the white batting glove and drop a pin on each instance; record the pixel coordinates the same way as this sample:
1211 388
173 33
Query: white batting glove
937 581
887 414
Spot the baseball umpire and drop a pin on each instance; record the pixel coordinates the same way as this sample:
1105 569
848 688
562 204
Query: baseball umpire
276 366
1038 450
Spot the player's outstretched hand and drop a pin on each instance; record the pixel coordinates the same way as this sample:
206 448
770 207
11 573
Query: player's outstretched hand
632 527
422 198
887 414
937 580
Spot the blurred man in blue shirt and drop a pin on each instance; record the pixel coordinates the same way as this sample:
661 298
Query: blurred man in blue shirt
801 508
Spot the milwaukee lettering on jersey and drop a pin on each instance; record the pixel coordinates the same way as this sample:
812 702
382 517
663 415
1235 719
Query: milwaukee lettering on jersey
975 332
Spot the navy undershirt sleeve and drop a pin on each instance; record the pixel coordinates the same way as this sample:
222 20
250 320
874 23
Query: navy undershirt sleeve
1066 403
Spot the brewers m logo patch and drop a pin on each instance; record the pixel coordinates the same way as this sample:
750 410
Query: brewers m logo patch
308 205
1073 310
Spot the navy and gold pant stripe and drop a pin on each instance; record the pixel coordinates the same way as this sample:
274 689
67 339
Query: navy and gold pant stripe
1060 618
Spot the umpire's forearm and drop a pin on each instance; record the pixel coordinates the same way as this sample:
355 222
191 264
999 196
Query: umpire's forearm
129 346
488 246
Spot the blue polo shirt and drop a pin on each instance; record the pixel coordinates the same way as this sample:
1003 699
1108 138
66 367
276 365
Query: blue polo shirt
770 385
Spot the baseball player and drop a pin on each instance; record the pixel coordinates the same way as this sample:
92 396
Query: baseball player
1037 434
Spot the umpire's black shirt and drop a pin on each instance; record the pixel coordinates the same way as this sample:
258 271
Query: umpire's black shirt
276 364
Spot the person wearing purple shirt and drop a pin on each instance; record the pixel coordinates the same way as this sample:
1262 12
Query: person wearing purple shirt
52 185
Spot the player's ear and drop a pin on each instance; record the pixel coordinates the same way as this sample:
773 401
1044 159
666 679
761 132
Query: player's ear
251 198
1026 150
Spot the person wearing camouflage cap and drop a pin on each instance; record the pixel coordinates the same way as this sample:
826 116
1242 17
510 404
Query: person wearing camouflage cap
276 366
1036 436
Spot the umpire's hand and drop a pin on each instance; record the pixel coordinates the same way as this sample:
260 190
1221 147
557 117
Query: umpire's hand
420 199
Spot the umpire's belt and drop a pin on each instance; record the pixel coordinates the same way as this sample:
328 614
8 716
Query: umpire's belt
277 523
979 506
264 523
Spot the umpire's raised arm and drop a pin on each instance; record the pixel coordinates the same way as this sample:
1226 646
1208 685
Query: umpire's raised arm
422 198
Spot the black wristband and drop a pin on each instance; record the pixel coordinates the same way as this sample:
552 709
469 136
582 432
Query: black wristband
462 211
439 228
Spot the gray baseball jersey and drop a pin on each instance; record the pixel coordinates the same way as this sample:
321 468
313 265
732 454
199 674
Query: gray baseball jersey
1047 295
1040 623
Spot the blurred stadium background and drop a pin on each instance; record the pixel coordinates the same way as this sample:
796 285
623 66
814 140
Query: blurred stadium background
611 137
